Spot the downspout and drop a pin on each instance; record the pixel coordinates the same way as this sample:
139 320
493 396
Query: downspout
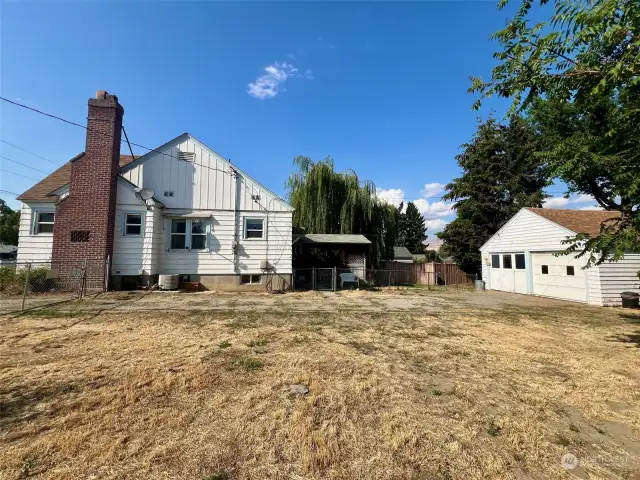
236 220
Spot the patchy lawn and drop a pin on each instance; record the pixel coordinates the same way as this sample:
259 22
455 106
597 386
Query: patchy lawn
407 383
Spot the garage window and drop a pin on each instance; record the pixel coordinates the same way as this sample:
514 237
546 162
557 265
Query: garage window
506 261
545 269
495 261
570 271
519 261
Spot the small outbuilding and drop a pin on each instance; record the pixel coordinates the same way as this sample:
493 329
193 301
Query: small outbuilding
402 255
523 257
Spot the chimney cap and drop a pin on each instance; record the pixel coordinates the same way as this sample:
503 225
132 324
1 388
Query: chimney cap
101 94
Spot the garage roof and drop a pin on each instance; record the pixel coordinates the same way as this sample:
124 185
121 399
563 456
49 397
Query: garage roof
578 221
335 238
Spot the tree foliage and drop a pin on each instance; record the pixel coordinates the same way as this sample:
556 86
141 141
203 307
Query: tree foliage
326 201
500 176
9 224
578 75
411 228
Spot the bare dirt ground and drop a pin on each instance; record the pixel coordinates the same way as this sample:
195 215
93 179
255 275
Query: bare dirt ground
404 384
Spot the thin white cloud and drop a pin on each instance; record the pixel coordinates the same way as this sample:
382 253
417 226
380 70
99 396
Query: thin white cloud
393 196
431 210
432 189
562 202
435 225
269 84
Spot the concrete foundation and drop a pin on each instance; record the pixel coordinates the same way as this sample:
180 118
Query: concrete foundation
226 283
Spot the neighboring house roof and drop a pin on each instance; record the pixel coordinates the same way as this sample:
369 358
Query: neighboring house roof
42 191
578 221
402 253
335 238
5 249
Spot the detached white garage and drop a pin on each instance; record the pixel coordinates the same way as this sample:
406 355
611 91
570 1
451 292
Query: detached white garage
521 258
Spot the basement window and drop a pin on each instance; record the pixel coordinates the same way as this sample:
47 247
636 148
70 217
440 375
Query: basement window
495 261
570 271
520 261
545 269
250 279
80 236
43 222
133 224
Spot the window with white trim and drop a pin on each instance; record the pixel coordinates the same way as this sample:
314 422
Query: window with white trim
250 279
188 234
43 222
133 224
253 228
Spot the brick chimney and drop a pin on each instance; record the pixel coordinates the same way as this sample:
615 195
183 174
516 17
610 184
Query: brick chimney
85 220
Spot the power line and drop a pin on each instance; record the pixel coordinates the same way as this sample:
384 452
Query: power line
7 192
24 165
18 174
30 153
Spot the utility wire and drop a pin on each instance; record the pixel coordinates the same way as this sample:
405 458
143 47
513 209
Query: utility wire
30 153
24 165
7 192
18 174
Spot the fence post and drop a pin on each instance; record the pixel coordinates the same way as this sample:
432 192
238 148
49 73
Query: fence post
313 278
83 284
335 278
26 285
107 268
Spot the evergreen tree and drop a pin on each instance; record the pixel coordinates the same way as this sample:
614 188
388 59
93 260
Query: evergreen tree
501 175
414 229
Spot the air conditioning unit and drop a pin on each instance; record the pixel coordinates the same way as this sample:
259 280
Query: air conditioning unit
168 282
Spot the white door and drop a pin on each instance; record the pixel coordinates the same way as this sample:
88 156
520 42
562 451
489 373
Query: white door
508 272
559 277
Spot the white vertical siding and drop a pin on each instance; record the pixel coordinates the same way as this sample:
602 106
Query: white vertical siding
207 183
34 248
618 277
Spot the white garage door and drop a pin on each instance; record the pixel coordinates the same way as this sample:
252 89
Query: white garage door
559 277
508 272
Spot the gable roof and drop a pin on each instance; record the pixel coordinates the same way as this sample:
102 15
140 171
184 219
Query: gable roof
42 191
186 136
578 221
335 238
402 253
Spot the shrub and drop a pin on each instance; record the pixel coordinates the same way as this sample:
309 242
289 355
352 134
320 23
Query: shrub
12 280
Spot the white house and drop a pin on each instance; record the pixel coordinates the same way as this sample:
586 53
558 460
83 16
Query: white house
180 209
522 257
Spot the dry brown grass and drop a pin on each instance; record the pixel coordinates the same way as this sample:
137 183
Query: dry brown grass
484 389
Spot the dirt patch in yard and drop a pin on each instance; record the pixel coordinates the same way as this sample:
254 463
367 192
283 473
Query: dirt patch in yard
402 384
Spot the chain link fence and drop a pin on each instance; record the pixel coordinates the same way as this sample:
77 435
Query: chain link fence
25 285
333 279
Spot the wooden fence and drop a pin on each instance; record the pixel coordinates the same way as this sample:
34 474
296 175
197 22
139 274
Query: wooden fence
426 273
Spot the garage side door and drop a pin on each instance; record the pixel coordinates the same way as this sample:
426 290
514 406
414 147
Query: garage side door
558 277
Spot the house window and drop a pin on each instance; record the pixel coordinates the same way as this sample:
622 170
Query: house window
44 222
250 279
495 261
178 234
506 261
570 271
520 261
187 234
254 228
133 224
198 235
545 269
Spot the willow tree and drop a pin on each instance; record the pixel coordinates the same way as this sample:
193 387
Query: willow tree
327 201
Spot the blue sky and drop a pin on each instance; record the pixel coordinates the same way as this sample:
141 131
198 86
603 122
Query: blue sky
381 87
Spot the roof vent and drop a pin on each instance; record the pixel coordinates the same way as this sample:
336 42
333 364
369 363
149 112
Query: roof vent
186 156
